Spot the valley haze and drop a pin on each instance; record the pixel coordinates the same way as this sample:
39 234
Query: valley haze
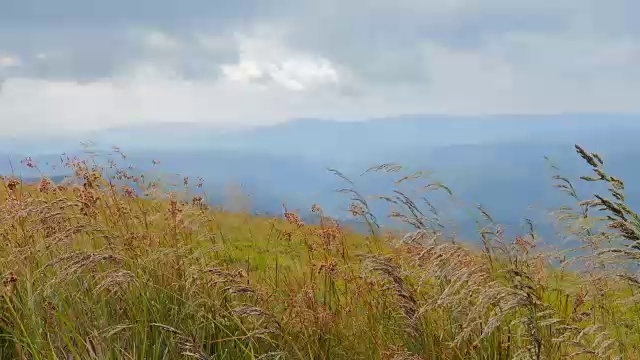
486 160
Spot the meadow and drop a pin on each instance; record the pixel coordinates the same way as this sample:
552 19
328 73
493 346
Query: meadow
97 269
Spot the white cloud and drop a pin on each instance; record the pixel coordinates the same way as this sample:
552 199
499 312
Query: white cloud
148 94
7 61
243 71
157 40
302 73
268 60
272 83
228 64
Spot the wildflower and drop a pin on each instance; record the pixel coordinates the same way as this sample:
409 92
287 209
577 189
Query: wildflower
129 192
45 185
12 184
524 244
28 162
329 236
174 209
329 267
293 219
9 282
356 209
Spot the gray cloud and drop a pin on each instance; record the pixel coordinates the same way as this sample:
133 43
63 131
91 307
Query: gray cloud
378 40
302 57
382 40
88 39
98 13
86 54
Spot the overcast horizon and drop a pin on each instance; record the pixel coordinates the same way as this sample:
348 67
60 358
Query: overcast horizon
72 66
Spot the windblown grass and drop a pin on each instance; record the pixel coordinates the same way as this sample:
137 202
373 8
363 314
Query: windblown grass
94 270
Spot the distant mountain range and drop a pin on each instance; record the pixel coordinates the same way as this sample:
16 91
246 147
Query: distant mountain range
497 161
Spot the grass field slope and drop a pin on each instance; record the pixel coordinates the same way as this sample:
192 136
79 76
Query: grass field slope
94 269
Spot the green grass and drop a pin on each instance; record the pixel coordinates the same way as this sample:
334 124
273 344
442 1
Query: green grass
94 272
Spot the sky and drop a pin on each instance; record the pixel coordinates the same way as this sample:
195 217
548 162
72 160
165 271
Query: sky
80 65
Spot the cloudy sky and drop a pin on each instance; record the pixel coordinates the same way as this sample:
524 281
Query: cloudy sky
75 65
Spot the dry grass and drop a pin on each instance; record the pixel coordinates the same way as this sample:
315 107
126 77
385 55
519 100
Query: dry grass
95 270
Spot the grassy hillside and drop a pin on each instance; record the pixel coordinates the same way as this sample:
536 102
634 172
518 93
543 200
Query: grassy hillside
92 270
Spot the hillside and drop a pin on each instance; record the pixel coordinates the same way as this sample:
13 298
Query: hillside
484 160
97 271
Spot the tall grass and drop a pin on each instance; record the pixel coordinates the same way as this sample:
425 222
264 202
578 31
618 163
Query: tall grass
97 270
